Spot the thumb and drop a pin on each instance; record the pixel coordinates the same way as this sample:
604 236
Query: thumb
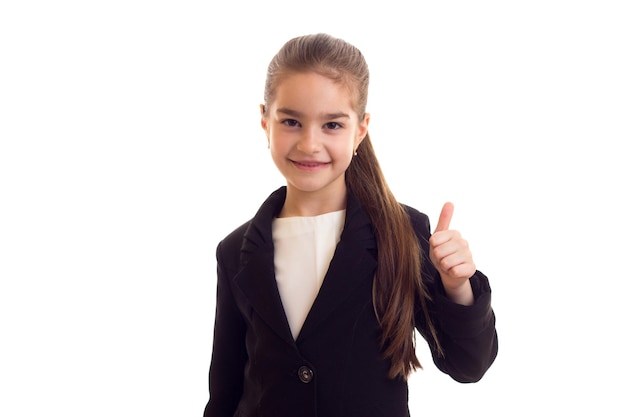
445 217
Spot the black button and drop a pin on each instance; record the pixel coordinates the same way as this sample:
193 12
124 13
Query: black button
305 374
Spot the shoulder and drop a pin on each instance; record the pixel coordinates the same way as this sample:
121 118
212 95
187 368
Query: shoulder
229 248
234 239
253 235
419 221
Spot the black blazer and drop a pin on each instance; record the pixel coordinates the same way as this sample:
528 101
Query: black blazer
334 368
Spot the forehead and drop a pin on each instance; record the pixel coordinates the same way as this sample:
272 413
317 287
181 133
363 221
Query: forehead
314 91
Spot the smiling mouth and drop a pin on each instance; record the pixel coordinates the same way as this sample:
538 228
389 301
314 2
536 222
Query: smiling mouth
310 164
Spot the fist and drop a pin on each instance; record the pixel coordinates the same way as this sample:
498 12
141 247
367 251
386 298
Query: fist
451 255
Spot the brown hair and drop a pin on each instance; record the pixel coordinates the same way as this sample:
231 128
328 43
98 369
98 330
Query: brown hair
398 278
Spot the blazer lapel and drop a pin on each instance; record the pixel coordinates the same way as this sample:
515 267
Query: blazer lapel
258 283
256 279
354 261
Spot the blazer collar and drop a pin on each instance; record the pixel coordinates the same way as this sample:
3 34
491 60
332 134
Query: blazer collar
354 260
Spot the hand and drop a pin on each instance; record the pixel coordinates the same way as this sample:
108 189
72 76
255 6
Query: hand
451 255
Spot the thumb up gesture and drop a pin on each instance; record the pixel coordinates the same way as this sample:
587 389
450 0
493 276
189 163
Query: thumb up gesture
451 255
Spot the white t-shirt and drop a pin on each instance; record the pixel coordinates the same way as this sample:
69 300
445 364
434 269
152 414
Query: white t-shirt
303 249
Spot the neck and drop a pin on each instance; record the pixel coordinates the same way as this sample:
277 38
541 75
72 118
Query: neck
303 203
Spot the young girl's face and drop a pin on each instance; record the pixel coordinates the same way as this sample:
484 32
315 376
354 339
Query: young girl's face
313 132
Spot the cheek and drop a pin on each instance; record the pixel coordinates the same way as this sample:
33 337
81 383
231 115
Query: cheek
354 140
278 146
343 149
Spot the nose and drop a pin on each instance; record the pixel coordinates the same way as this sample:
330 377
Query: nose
309 141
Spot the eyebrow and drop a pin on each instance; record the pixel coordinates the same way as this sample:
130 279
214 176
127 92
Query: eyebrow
295 113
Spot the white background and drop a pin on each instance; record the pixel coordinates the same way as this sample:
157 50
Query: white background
130 145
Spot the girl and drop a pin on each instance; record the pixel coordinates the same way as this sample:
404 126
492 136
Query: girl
319 295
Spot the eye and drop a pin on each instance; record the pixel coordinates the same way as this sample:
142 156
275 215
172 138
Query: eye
333 125
290 122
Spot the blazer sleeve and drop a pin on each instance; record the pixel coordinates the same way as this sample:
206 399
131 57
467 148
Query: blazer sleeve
229 356
467 333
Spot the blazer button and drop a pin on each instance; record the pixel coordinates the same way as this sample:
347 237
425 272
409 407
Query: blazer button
305 374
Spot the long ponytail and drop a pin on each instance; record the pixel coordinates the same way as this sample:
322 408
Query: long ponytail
398 278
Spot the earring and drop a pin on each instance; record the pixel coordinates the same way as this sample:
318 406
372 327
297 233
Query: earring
355 152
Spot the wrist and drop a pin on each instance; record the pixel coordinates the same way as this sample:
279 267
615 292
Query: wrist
461 294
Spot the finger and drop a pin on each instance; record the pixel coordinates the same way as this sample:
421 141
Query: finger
445 217
454 260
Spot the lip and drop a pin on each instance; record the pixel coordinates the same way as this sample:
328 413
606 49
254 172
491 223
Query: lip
308 165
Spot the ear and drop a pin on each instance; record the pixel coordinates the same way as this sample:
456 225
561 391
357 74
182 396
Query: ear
362 129
264 123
